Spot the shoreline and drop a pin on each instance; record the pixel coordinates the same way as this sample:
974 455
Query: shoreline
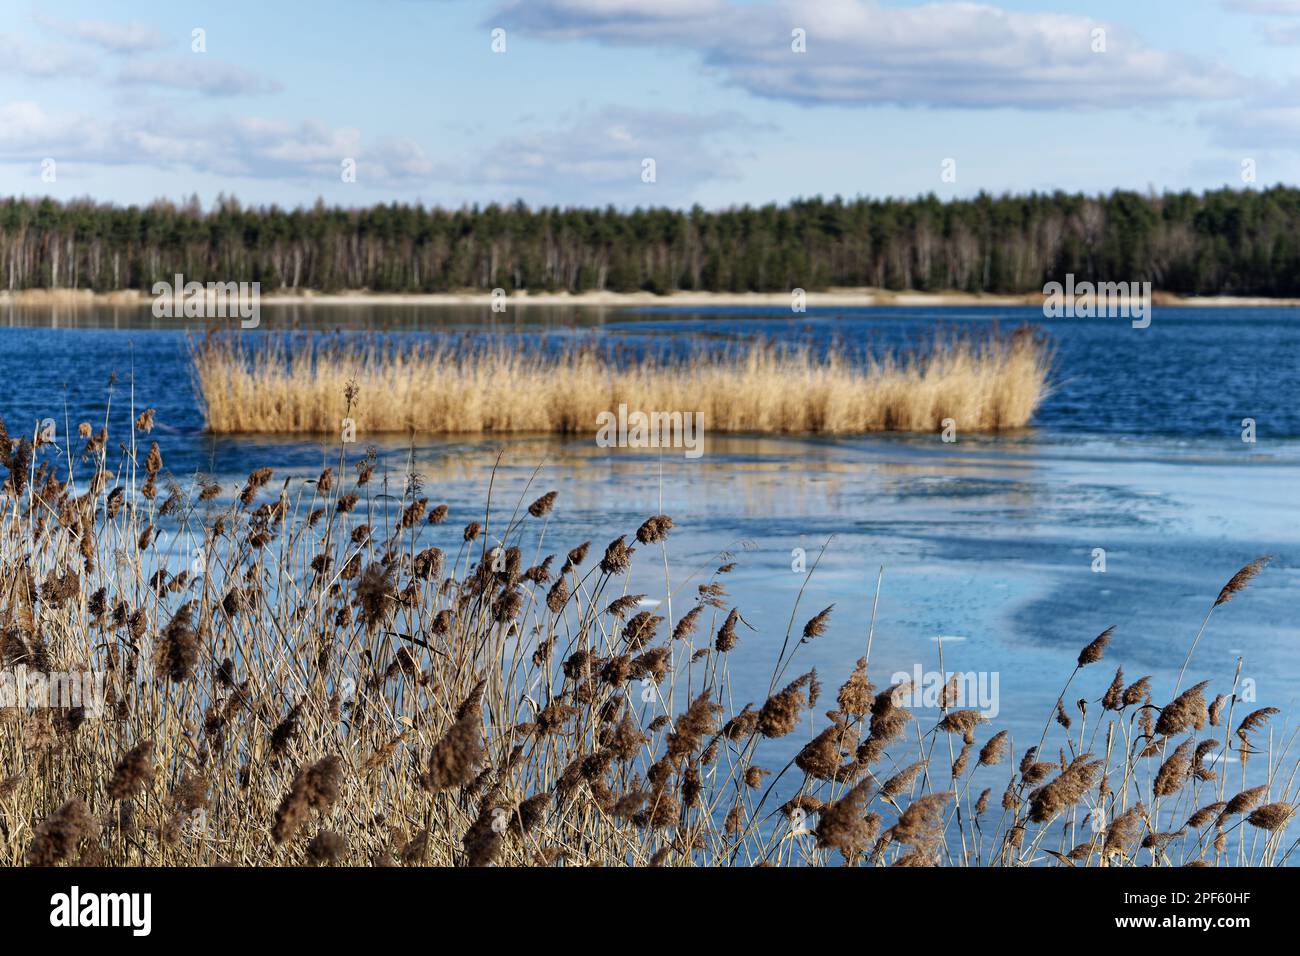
833 298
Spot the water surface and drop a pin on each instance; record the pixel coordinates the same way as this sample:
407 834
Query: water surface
991 542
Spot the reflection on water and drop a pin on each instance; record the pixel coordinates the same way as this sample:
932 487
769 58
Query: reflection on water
326 316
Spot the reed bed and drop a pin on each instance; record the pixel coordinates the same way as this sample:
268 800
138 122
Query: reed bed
440 388
338 671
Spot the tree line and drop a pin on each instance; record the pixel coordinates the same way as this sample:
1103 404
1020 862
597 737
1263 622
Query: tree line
1223 242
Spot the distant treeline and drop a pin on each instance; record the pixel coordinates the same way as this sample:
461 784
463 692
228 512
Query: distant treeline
1228 242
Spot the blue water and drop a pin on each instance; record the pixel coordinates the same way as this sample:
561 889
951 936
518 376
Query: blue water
1194 373
990 542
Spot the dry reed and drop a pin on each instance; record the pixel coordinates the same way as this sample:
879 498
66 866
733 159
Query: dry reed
278 386
356 680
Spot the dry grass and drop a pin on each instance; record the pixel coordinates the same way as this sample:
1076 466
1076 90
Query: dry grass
982 386
353 677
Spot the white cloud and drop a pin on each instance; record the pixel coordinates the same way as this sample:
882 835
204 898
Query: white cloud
235 147
396 160
25 128
1281 34
18 55
859 52
1260 125
1269 119
198 73
598 157
1277 32
1282 7
114 37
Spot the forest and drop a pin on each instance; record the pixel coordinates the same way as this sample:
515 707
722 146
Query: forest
1223 242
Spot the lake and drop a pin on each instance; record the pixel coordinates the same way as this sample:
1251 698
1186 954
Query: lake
994 543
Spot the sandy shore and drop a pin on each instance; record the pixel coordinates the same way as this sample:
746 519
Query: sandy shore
847 297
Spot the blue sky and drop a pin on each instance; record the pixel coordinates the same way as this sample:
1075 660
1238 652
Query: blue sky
1015 93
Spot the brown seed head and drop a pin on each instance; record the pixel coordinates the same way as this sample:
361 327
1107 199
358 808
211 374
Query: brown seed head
543 505
458 755
654 529
1242 578
133 772
57 837
1271 816
1094 651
